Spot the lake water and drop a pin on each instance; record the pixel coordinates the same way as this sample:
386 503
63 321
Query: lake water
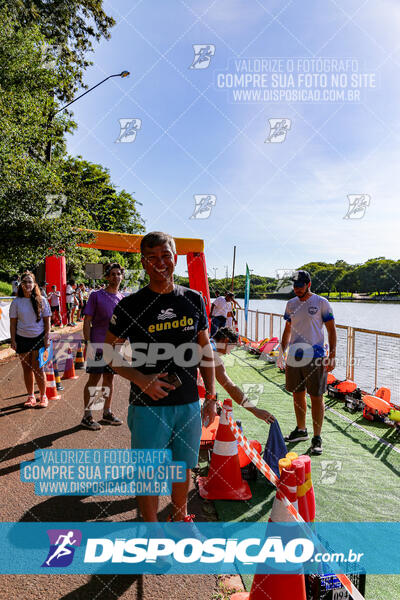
379 316
370 350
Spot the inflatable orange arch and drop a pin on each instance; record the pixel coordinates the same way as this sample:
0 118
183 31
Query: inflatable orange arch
193 248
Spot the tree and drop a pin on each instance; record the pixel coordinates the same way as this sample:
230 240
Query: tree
32 219
324 280
374 275
348 282
68 29
26 179
88 186
312 267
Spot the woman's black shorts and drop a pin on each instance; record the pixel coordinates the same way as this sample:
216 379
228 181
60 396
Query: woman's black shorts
25 344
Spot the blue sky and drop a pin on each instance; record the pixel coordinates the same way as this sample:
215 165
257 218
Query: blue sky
282 204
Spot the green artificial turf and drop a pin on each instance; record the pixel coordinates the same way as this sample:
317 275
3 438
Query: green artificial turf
366 487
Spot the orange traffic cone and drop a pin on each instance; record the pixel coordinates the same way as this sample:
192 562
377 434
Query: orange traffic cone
51 389
79 359
208 434
57 377
224 480
278 586
69 369
275 587
244 460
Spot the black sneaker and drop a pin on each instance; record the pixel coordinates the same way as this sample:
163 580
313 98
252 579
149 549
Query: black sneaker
111 419
316 445
90 423
297 435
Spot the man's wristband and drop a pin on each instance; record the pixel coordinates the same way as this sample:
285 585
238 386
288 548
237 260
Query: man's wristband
209 396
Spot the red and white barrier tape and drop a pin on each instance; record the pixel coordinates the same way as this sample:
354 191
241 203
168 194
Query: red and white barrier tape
266 470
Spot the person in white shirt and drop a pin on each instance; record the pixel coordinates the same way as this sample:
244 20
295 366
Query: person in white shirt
70 300
29 332
222 343
230 318
219 312
79 301
54 300
14 284
306 364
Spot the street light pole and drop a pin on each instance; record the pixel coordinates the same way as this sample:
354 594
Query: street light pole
53 114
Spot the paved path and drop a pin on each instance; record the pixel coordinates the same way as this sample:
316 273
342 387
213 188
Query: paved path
22 431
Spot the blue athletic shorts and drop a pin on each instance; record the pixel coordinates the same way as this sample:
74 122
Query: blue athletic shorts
177 428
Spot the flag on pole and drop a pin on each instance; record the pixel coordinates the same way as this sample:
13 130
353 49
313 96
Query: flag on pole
246 292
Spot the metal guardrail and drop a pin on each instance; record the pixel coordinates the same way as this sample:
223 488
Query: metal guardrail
367 356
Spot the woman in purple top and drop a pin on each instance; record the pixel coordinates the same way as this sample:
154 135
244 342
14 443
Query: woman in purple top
97 314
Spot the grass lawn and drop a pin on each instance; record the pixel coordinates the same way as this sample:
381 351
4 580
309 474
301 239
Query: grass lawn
5 288
367 484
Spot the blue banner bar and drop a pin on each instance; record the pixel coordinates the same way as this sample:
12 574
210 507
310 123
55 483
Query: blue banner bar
198 548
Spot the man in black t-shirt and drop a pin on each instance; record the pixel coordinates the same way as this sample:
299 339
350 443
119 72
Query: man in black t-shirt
167 327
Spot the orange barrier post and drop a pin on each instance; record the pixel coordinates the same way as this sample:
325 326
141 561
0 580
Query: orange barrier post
306 490
288 486
69 369
300 471
224 480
